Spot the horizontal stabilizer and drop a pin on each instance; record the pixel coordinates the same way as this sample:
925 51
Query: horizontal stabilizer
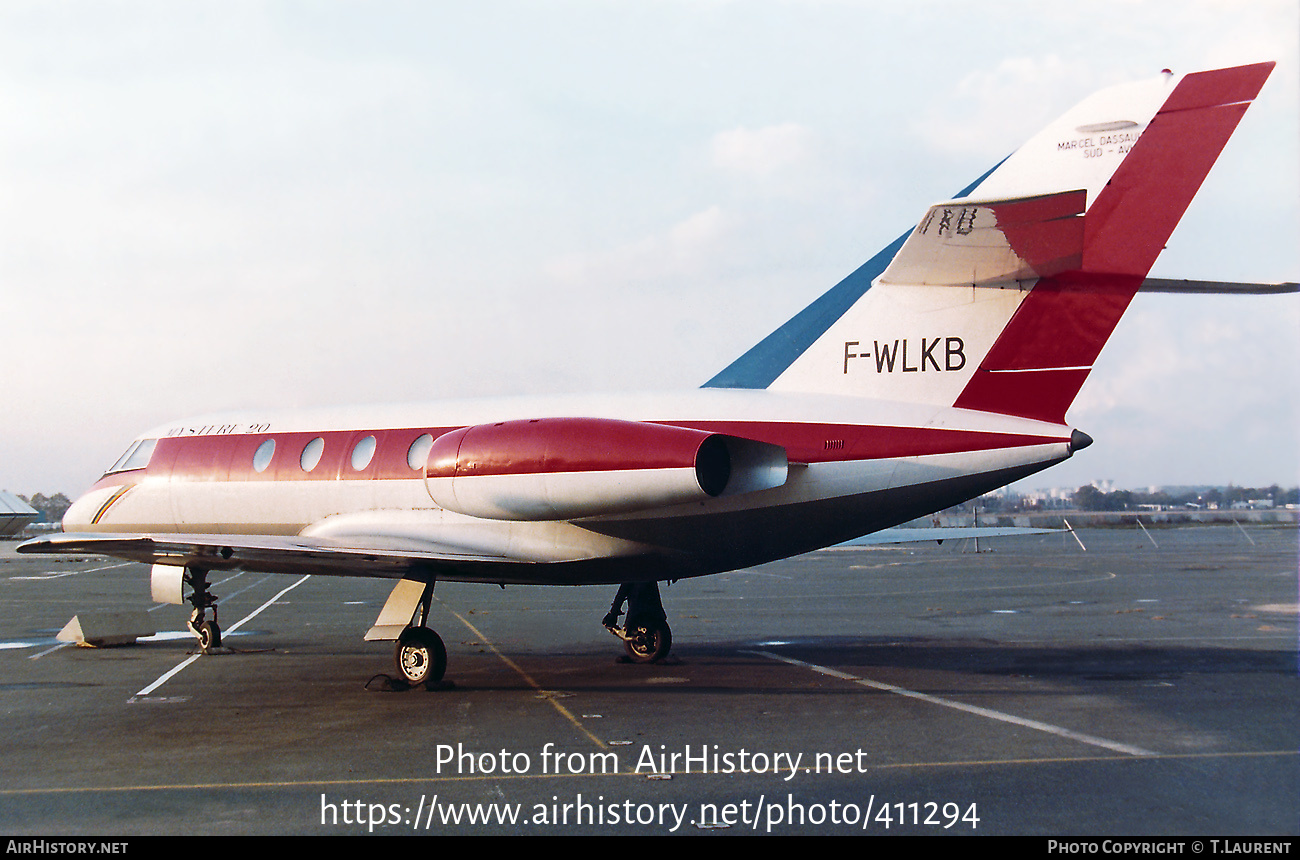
1227 288
971 243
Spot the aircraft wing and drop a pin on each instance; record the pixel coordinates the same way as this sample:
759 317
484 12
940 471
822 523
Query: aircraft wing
940 534
387 557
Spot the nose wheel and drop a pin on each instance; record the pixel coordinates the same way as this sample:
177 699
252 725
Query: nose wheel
209 634
205 629
647 644
646 635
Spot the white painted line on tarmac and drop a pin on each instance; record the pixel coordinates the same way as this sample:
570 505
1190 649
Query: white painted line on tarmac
168 675
49 574
258 611
1059 731
49 650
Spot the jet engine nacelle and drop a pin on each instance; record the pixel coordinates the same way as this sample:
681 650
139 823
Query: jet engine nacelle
565 468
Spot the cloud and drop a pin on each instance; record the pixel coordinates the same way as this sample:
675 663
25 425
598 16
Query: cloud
1188 385
992 107
764 151
687 248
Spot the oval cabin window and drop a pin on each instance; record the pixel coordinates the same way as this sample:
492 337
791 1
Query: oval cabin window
363 453
262 458
418 454
311 454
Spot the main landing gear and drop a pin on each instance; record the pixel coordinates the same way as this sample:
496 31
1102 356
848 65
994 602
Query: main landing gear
208 631
420 655
646 635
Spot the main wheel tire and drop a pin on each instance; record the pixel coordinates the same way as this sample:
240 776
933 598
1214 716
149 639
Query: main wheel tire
209 636
648 643
420 656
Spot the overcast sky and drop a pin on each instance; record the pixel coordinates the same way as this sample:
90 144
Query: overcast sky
223 205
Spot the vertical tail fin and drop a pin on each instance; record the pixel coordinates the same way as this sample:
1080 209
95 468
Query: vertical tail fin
1039 362
1000 300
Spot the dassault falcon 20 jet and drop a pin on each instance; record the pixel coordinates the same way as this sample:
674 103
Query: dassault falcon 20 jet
939 370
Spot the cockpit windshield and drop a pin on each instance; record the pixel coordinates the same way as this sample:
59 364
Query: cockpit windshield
136 457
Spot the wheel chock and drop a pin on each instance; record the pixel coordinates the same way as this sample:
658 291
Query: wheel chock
107 629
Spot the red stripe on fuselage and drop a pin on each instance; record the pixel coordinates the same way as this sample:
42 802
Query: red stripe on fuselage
229 457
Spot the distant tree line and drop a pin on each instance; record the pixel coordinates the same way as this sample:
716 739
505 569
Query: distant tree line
1089 498
53 507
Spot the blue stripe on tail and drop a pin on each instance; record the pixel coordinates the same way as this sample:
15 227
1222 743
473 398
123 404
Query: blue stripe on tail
764 362
768 359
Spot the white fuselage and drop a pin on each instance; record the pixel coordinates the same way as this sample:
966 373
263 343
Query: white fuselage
855 466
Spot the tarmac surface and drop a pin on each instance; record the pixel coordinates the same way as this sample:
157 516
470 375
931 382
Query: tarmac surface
1147 686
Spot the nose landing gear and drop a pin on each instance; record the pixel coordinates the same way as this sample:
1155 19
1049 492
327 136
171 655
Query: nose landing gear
205 629
646 635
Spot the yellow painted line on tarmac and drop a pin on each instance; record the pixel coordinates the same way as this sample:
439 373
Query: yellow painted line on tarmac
496 777
548 695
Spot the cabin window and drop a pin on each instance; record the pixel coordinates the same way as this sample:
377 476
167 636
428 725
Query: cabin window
311 454
362 453
418 454
136 457
262 457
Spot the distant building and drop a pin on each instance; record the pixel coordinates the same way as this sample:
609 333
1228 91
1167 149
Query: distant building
1049 498
14 514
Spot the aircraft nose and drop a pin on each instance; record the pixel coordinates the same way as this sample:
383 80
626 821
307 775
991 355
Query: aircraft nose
1079 440
81 513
